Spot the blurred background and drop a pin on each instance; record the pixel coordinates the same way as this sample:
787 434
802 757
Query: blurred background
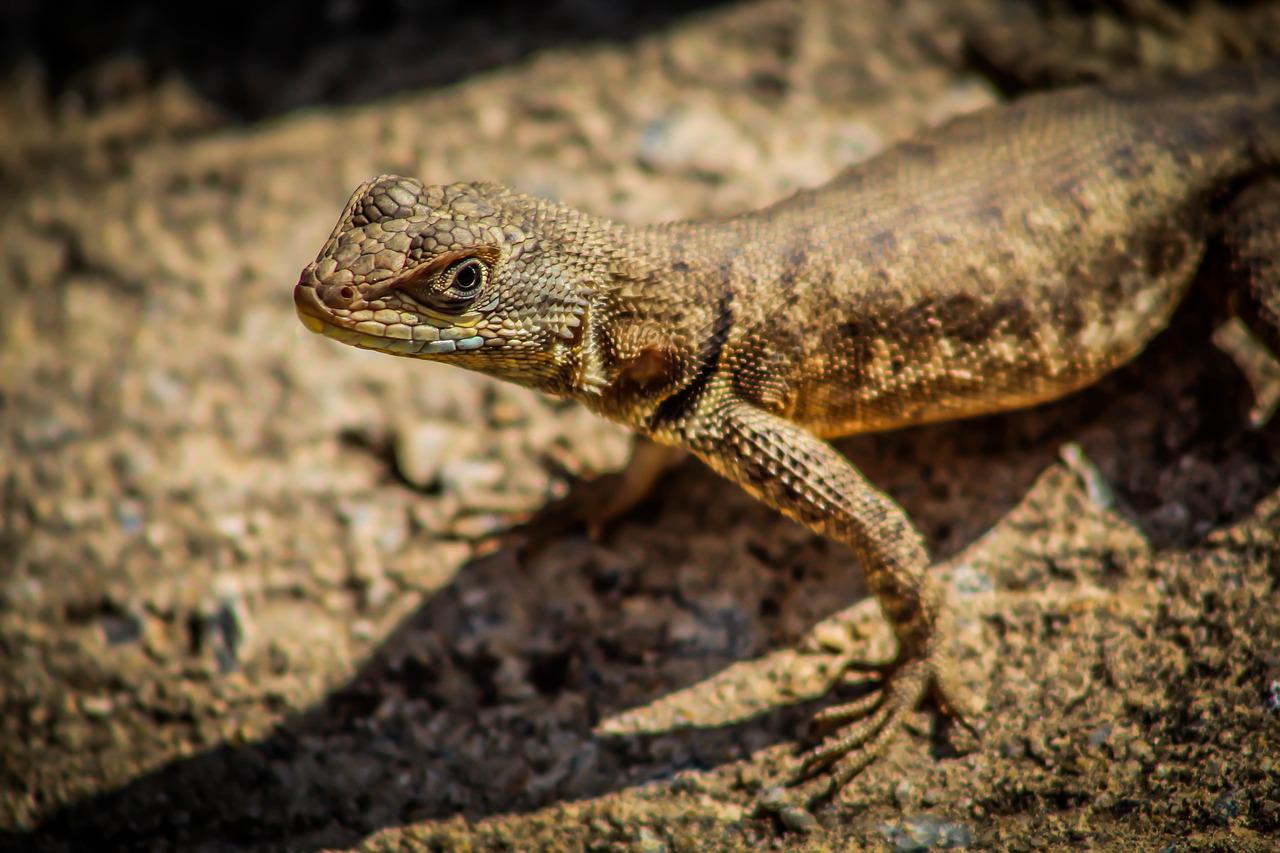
255 60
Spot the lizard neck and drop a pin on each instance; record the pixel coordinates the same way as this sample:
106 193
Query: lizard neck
652 334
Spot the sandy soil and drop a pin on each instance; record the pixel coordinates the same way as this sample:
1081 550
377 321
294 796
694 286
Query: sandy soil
262 591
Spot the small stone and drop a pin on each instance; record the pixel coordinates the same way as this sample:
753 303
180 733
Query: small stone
967 581
223 627
698 140
1170 520
1227 807
772 799
1272 700
1095 483
926 832
833 638
1100 735
120 628
420 449
797 819
130 517
648 841
232 525
469 478
478 526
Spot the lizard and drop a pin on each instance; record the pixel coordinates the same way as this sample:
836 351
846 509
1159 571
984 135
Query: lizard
1005 258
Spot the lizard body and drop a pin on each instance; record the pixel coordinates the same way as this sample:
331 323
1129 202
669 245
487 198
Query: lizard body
1004 259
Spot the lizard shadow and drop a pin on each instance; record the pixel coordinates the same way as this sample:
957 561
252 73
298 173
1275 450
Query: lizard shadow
486 700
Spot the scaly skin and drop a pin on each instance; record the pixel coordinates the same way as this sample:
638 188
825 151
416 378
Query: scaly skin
1004 259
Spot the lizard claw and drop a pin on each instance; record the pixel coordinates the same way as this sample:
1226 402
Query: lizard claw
863 728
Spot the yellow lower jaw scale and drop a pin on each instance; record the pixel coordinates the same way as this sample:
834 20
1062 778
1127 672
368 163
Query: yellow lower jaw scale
314 324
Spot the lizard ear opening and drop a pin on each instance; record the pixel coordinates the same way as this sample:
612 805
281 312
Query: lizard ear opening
649 369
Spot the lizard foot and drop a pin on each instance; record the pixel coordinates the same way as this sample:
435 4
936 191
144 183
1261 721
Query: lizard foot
864 727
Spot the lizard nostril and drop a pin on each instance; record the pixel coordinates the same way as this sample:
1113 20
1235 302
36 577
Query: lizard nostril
339 297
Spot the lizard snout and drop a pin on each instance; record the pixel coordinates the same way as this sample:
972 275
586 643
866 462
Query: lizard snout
311 311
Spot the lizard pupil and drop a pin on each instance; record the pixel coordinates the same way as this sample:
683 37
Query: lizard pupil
467 275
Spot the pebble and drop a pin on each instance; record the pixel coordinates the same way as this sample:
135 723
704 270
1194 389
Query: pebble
420 449
478 526
44 434
97 707
222 627
1100 492
797 819
926 832
121 628
774 801
1227 807
699 140
967 581
468 478
649 842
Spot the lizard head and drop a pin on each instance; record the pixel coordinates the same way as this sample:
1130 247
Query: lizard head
472 273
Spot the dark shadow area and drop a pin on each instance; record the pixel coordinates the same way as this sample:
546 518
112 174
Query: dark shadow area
387 748
1022 46
255 60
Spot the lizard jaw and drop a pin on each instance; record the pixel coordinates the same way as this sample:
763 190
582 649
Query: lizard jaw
423 340
311 310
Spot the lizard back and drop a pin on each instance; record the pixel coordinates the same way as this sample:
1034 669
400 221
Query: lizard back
1006 258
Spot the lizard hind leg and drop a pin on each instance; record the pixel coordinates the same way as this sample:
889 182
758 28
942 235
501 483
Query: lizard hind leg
1251 237
598 502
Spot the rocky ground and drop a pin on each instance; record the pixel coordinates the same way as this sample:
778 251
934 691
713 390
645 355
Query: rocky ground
262 591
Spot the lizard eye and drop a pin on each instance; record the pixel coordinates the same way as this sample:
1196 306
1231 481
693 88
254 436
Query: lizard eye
465 278
452 285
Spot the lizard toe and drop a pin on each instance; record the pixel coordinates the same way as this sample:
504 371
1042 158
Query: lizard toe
865 726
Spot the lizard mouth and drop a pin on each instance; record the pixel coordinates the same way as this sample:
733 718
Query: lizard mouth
388 324
311 311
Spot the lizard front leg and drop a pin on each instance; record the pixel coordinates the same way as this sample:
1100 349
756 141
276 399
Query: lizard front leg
807 480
